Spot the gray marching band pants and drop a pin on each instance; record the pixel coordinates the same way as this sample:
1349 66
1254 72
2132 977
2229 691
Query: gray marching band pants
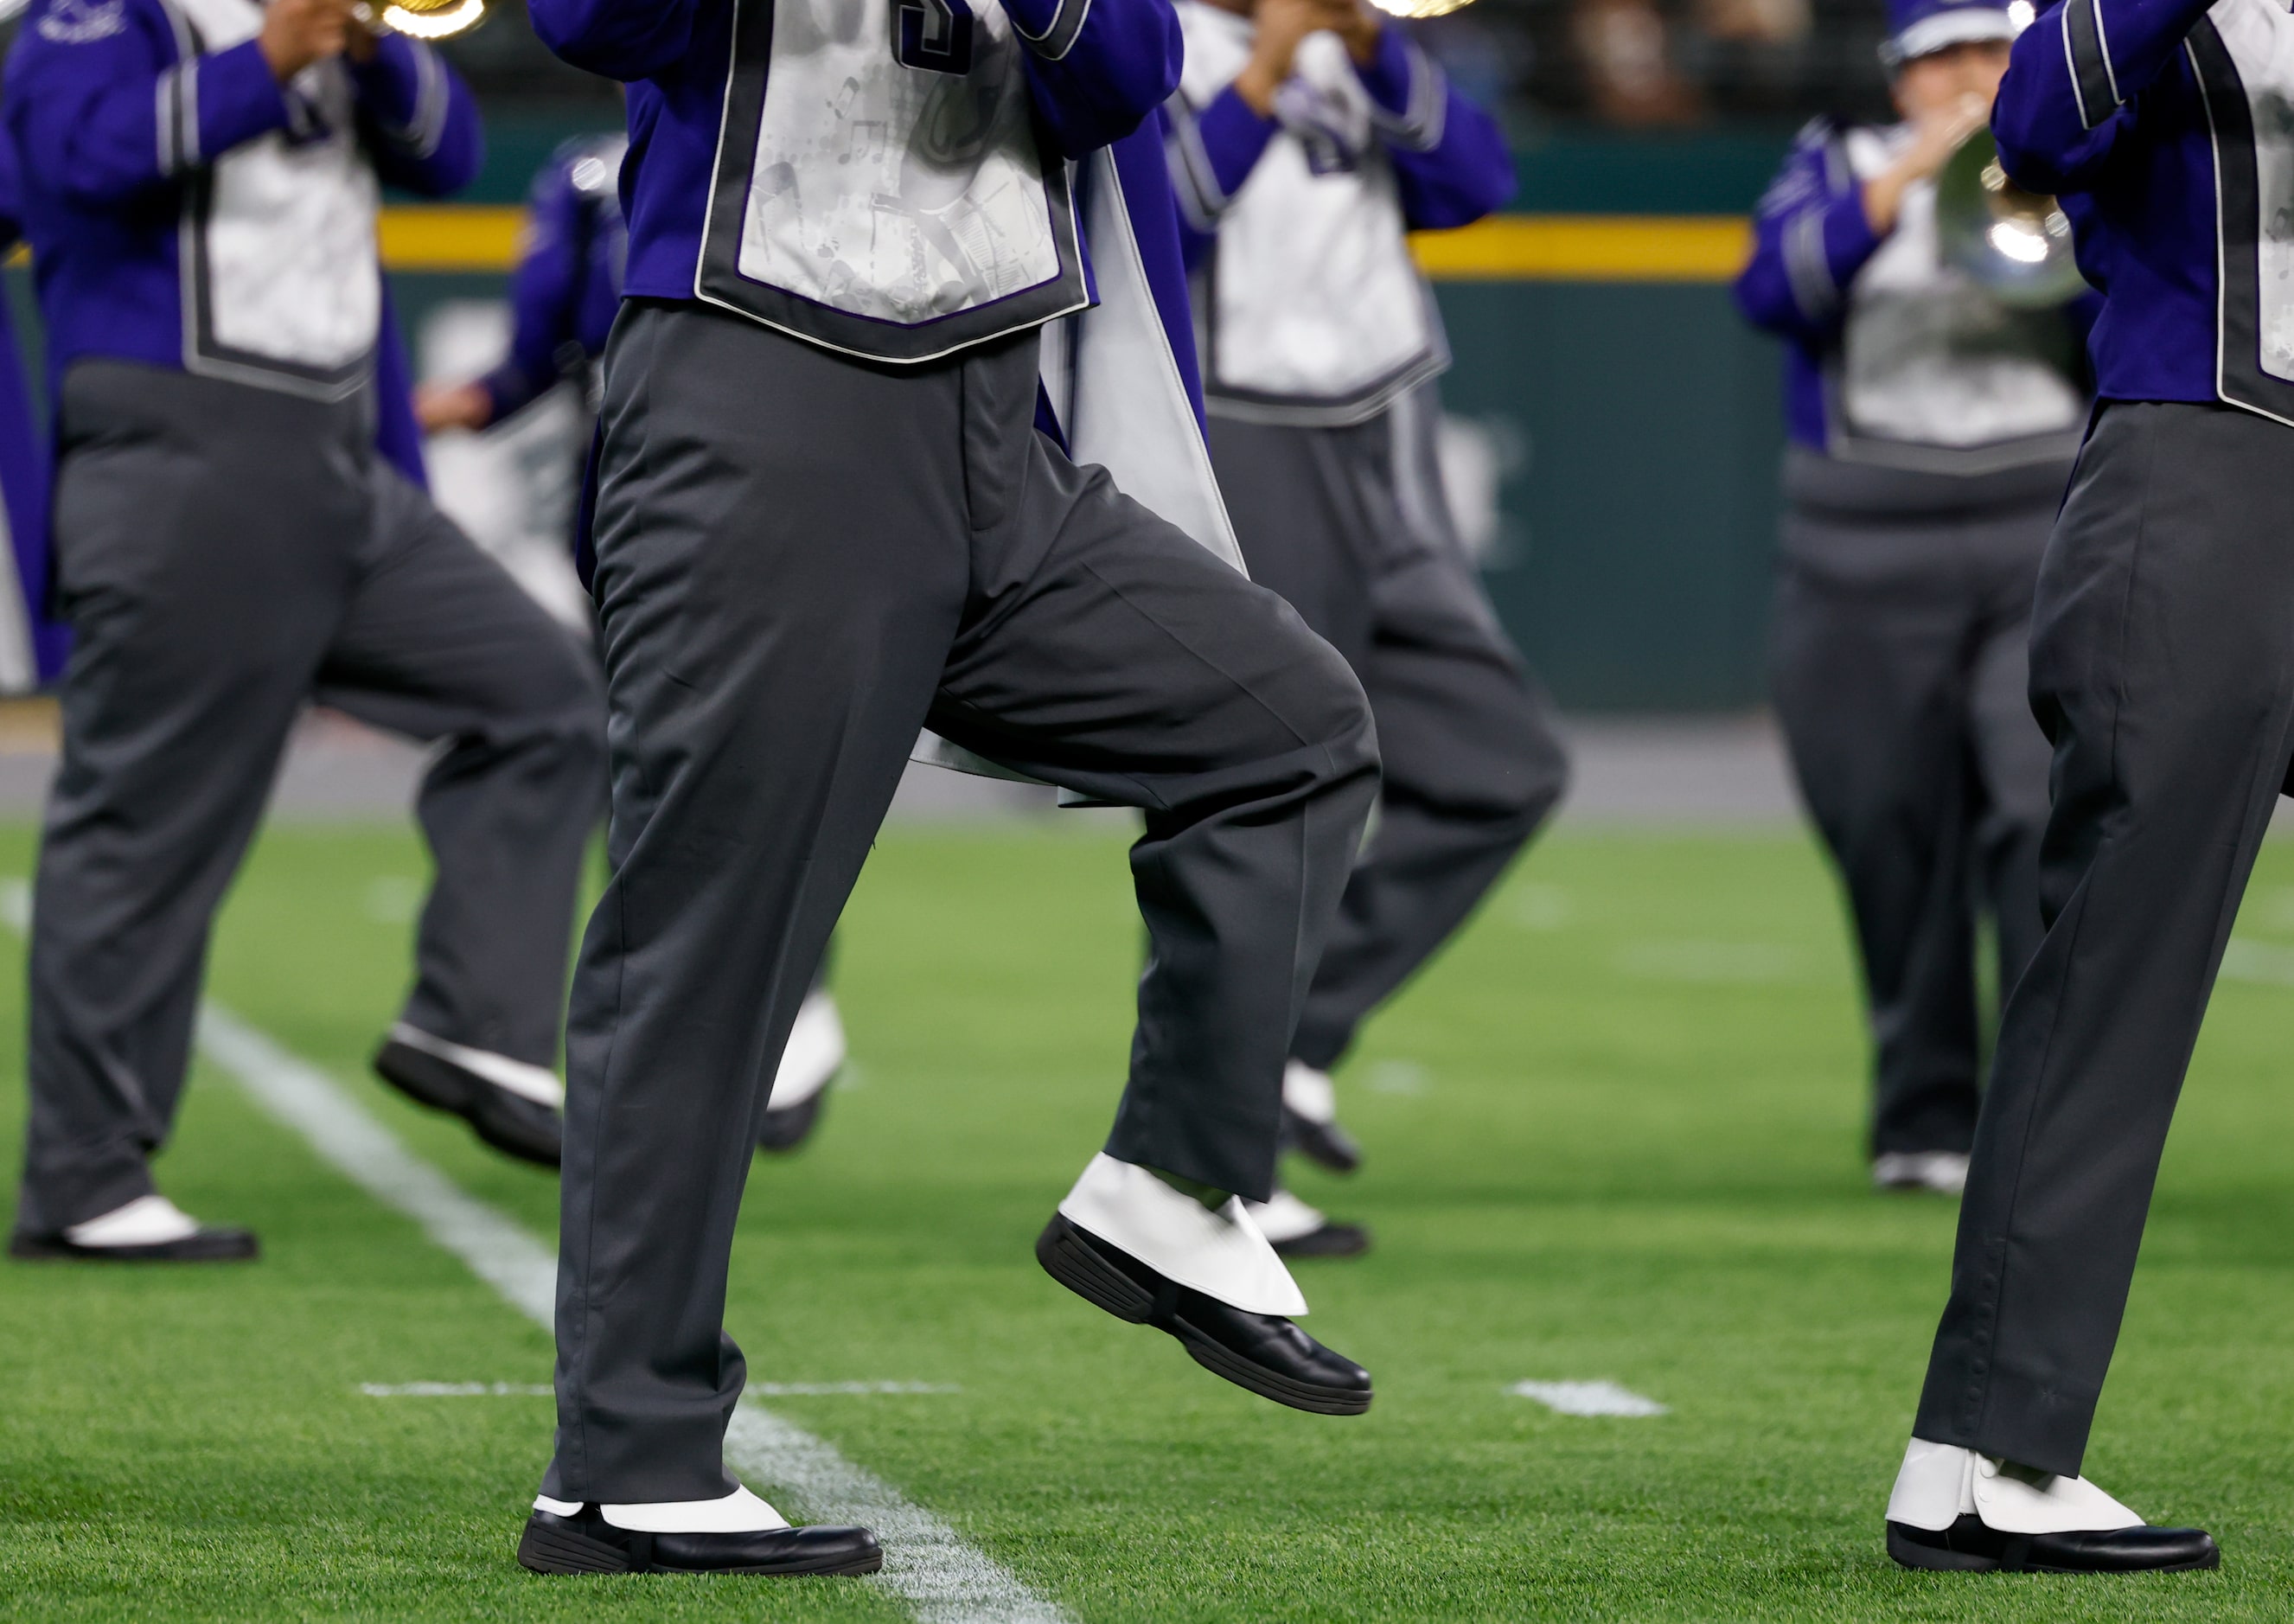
802 558
2162 667
1350 526
1897 670
227 554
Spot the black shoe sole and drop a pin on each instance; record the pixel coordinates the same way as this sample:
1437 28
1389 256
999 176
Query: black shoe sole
1330 1241
1076 1264
1931 1559
548 1550
443 1086
1326 1145
787 1127
218 1246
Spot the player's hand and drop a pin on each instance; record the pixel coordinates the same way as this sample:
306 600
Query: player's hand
1935 139
297 33
359 41
441 406
1283 24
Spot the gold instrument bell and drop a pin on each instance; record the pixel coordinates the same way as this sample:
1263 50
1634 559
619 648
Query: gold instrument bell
424 19
2014 244
1415 8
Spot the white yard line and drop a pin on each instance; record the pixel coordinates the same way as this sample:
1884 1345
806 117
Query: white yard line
1587 1398
927 1562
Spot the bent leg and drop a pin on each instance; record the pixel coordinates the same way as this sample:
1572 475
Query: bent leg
1106 651
439 644
2162 667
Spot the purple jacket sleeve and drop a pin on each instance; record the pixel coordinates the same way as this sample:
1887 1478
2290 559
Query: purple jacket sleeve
1097 67
1209 155
1810 238
2071 77
621 39
1449 156
103 117
422 123
543 295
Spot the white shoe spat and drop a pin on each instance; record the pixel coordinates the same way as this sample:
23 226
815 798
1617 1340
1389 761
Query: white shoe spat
1939 1483
1309 1093
1221 1255
148 1221
522 1078
1284 1217
815 1052
740 1512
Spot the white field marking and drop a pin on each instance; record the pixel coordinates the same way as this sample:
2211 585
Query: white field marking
1710 961
2265 963
1587 1398
1540 908
850 1075
1399 1077
927 1562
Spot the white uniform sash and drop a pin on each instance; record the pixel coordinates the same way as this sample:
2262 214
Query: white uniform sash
1116 389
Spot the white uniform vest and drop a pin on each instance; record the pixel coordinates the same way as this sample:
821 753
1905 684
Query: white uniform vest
1311 308
281 284
876 207
1935 372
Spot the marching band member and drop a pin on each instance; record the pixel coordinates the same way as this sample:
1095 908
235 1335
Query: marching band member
1306 138
563 297
1931 433
2162 665
835 502
200 184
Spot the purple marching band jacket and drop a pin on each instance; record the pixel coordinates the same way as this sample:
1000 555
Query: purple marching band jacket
1090 252
2162 125
161 174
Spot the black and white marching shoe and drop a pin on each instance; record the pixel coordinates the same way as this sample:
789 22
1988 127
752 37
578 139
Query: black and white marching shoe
1298 1230
1310 1120
1939 1173
518 1107
1953 1510
810 1063
147 1229
1130 1244
564 1538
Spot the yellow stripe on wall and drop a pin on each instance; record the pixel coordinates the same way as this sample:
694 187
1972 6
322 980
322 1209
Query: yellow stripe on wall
1589 248
451 237
1509 248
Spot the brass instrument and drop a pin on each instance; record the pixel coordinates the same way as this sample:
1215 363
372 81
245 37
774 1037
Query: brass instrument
2016 245
1414 9
423 19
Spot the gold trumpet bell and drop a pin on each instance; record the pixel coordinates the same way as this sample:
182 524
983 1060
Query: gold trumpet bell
425 19
2014 244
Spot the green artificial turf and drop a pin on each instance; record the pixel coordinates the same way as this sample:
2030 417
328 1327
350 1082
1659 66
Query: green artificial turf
1613 1134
